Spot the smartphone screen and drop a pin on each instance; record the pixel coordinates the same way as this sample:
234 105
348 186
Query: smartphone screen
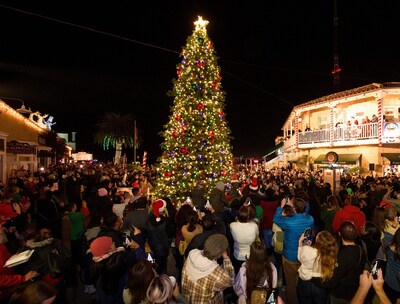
307 232
273 297
374 269
126 240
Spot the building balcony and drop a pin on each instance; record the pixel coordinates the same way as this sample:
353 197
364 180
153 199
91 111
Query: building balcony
365 134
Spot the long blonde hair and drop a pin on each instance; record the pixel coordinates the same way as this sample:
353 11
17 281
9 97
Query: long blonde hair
327 247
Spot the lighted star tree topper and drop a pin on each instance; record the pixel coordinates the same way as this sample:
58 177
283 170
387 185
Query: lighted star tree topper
196 147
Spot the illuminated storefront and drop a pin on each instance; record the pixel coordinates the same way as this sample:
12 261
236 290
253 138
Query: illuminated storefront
360 125
20 142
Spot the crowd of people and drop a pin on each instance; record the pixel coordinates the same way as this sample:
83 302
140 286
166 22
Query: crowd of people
280 233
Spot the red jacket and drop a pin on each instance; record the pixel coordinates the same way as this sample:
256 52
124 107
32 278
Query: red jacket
349 213
8 279
269 208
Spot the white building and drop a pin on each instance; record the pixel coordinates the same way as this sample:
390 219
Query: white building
361 125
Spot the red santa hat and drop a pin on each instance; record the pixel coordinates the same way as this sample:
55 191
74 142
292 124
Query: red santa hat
254 184
158 206
234 178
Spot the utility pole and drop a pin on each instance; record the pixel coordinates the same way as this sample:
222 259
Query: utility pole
134 142
336 69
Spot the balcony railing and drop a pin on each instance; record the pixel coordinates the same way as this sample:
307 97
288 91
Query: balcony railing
360 132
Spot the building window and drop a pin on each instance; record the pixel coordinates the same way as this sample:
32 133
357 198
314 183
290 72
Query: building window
391 114
2 144
323 122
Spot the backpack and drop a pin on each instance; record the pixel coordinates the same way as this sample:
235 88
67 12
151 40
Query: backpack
277 239
59 260
262 295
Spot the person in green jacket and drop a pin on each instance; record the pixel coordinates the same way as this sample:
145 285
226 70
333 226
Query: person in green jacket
76 232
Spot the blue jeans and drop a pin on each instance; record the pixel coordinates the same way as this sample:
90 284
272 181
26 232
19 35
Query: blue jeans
267 236
309 293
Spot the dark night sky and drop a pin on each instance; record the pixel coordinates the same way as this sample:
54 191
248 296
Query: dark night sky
273 55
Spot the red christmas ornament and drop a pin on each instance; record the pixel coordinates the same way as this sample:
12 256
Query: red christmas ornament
183 150
168 174
220 113
210 45
177 118
200 63
214 85
200 106
179 72
212 135
174 134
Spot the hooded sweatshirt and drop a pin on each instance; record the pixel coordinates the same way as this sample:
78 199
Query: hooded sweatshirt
198 266
204 280
349 213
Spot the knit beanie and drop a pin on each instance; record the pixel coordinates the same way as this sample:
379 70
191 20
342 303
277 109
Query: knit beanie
100 247
102 192
215 245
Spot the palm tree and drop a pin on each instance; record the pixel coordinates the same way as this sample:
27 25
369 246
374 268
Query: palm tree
115 130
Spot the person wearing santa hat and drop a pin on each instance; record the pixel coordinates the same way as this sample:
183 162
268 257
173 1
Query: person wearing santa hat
254 198
234 191
158 235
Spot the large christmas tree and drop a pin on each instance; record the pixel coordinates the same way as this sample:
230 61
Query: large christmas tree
196 147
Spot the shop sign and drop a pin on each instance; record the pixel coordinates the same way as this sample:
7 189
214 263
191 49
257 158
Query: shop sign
20 148
331 157
391 132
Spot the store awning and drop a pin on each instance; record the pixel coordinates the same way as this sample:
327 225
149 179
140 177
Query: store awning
273 149
343 159
393 157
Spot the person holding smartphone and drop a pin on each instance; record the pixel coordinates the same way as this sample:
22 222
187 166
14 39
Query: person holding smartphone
293 228
192 228
351 259
366 280
392 275
317 261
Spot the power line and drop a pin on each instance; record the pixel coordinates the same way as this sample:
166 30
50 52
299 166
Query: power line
141 43
296 70
258 88
89 29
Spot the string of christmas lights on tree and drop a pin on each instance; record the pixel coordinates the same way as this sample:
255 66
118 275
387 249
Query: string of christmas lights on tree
196 147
